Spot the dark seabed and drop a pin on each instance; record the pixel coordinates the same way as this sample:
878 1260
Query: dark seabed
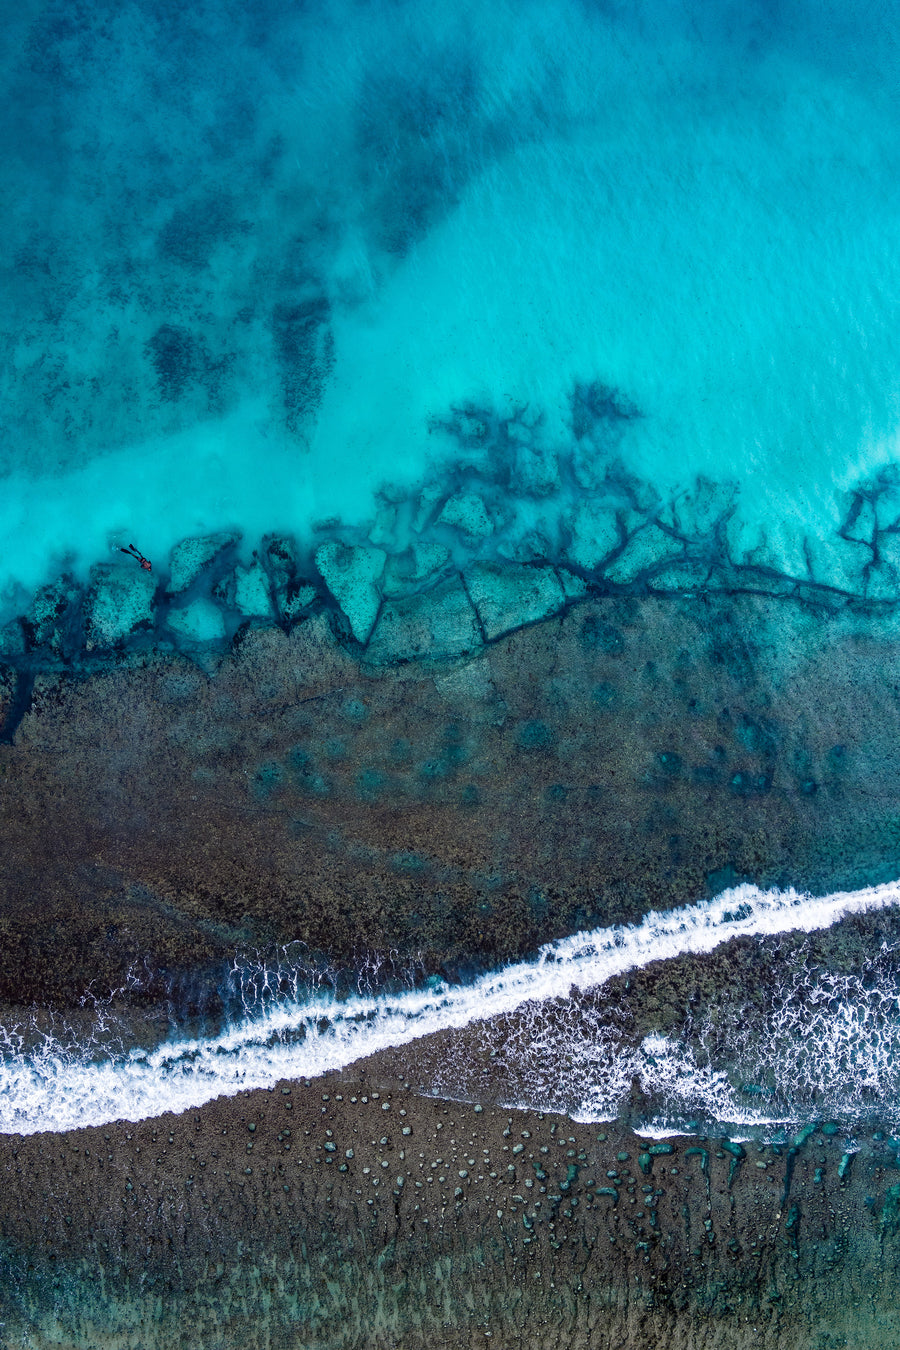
334 1214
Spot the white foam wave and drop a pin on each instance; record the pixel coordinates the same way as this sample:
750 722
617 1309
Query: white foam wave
834 1051
57 1089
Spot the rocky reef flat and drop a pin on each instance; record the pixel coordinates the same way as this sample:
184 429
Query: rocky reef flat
628 753
351 1211
423 751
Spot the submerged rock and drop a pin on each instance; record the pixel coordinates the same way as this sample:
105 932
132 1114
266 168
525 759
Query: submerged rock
646 549
534 546
685 574
290 593
574 588
837 562
882 583
408 570
426 506
351 573
595 535
510 596
536 470
467 512
251 591
861 521
298 597
46 616
384 530
281 557
190 556
467 685
883 579
200 621
695 513
438 623
9 683
12 639
118 601
777 547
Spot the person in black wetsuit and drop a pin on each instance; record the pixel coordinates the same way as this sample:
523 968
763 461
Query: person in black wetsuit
135 553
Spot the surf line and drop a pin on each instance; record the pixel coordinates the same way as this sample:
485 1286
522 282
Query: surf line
55 1089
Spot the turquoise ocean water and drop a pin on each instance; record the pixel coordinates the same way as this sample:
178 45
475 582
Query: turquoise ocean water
254 253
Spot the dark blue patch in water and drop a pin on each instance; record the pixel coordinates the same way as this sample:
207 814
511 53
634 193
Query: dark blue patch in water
370 784
534 735
596 635
746 784
267 778
604 695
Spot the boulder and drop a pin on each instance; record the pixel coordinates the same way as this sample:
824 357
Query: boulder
509 596
646 549
408 571
119 600
595 534
200 621
437 623
251 591
190 556
467 512
351 573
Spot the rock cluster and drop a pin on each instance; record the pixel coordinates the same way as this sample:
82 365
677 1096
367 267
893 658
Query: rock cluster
326 1207
469 557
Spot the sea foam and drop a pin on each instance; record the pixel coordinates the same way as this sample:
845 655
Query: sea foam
56 1088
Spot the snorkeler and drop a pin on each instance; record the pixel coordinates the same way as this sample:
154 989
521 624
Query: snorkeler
134 553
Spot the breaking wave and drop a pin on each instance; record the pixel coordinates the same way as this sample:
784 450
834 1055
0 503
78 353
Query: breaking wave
827 1051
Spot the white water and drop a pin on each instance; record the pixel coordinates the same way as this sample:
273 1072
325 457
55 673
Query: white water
56 1088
